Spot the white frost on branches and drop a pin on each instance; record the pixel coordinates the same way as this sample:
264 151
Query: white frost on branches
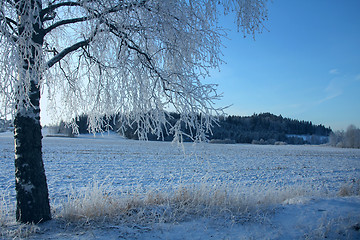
22 60
135 58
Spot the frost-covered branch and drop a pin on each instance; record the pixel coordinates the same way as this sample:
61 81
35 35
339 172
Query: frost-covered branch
10 2
8 26
94 13
66 51
52 7
11 23
65 22
70 49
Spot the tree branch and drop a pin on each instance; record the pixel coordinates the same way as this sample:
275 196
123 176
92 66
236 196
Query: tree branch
10 30
66 51
10 2
53 7
5 31
70 49
93 12
64 22
9 20
94 15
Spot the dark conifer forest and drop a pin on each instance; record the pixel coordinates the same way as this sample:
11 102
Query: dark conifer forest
267 128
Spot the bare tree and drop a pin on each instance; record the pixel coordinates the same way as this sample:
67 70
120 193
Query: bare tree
348 139
135 58
352 137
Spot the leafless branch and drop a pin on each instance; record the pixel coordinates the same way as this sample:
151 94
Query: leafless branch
6 31
65 22
10 21
66 51
94 14
70 49
10 2
53 7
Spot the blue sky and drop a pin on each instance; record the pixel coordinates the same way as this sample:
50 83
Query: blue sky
306 65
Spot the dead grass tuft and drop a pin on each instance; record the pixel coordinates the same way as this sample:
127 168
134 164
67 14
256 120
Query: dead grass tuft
352 188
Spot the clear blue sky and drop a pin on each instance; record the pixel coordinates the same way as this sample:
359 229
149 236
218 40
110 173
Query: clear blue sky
306 65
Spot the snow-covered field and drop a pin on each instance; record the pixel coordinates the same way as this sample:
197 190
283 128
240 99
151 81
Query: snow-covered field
112 188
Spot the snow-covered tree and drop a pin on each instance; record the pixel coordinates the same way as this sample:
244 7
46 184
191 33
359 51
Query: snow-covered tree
133 58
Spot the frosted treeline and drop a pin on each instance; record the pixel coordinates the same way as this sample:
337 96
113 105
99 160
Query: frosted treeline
346 139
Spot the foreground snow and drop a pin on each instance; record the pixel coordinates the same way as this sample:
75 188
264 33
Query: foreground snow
232 191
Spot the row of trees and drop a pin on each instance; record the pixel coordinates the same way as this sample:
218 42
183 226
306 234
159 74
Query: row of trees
264 128
346 139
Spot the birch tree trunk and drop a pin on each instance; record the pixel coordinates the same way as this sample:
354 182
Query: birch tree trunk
31 187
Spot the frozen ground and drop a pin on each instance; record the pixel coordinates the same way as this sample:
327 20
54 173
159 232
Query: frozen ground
158 190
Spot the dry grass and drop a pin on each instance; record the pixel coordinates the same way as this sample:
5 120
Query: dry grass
6 208
20 231
335 228
9 229
352 188
97 202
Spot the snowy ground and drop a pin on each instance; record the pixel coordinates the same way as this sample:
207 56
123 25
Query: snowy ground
232 191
